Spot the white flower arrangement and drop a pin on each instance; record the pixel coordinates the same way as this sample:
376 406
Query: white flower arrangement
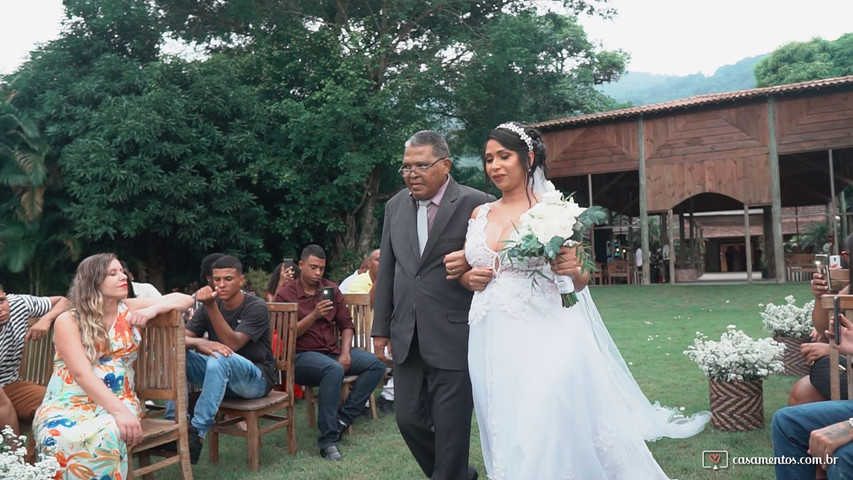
788 320
736 357
13 465
547 226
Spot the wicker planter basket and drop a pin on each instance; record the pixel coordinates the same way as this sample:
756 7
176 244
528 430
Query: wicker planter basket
795 363
737 406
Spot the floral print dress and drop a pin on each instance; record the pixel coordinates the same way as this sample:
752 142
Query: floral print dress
81 434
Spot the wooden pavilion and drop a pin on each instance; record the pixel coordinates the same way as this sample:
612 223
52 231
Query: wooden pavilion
764 148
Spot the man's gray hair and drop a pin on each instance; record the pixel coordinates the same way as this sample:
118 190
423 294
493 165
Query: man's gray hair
431 138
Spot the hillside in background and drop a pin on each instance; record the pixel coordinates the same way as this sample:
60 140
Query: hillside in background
638 88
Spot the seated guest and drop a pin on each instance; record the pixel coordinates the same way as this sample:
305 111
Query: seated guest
815 386
283 274
345 283
236 359
320 360
19 399
818 429
91 414
364 281
138 289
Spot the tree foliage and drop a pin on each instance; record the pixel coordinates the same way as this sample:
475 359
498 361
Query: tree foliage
290 130
804 61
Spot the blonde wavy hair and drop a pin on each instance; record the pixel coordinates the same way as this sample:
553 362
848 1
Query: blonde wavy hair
87 303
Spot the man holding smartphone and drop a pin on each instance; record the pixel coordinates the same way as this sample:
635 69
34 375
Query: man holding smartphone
321 361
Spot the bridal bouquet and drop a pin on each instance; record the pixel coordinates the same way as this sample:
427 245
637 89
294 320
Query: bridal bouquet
555 221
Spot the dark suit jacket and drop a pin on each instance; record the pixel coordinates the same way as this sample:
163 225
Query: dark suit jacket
411 289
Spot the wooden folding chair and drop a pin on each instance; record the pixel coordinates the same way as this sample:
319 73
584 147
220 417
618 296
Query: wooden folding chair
618 269
160 372
362 318
283 318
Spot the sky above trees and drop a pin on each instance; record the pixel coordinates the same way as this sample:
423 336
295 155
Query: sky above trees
663 36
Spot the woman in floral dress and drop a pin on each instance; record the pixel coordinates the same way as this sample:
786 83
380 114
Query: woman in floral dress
90 413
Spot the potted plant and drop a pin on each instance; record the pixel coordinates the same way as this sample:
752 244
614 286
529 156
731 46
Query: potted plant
736 367
790 325
13 465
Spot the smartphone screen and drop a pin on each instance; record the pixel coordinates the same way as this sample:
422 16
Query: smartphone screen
328 293
836 330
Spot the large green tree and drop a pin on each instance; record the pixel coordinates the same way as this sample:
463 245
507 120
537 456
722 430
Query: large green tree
289 128
352 80
804 61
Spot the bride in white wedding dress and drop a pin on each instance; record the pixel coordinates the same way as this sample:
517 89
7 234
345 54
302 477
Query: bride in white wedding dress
553 396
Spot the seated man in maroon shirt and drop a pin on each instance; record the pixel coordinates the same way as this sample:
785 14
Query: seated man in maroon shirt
320 360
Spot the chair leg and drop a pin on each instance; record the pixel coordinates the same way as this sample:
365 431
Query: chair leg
374 412
309 403
291 431
213 445
345 388
253 441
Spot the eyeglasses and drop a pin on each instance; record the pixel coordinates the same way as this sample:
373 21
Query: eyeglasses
406 170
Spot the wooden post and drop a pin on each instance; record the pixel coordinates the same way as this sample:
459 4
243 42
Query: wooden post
748 243
833 226
671 244
776 190
644 215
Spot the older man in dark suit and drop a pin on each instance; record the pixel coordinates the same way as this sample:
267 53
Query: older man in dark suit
424 311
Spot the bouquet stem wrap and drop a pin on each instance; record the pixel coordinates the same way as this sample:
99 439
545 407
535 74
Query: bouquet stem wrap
567 290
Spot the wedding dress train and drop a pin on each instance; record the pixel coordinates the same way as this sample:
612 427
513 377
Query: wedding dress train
553 396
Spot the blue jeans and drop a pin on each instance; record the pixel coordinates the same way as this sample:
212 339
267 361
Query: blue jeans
791 429
233 376
323 370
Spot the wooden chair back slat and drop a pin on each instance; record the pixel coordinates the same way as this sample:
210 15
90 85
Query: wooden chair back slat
362 318
283 319
37 359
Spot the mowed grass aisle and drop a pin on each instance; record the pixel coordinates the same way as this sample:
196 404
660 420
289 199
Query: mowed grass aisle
651 325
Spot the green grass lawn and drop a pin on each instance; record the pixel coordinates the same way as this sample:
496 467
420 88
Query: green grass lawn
651 325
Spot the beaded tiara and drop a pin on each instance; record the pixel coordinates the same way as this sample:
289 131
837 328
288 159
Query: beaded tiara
518 131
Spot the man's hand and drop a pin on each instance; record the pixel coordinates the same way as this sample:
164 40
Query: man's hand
479 277
39 329
206 295
379 346
345 360
824 441
456 264
813 351
322 308
213 349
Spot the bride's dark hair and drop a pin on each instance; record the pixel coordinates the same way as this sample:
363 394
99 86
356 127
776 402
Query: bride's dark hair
510 139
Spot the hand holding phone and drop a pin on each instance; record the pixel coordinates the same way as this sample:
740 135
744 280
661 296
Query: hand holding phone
328 293
836 323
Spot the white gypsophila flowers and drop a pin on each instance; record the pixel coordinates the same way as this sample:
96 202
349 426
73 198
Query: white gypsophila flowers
736 357
12 464
788 320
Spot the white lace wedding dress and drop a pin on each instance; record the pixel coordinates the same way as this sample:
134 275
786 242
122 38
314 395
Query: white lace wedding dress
553 396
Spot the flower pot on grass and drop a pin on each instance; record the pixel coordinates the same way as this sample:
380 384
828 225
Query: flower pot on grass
737 406
795 362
